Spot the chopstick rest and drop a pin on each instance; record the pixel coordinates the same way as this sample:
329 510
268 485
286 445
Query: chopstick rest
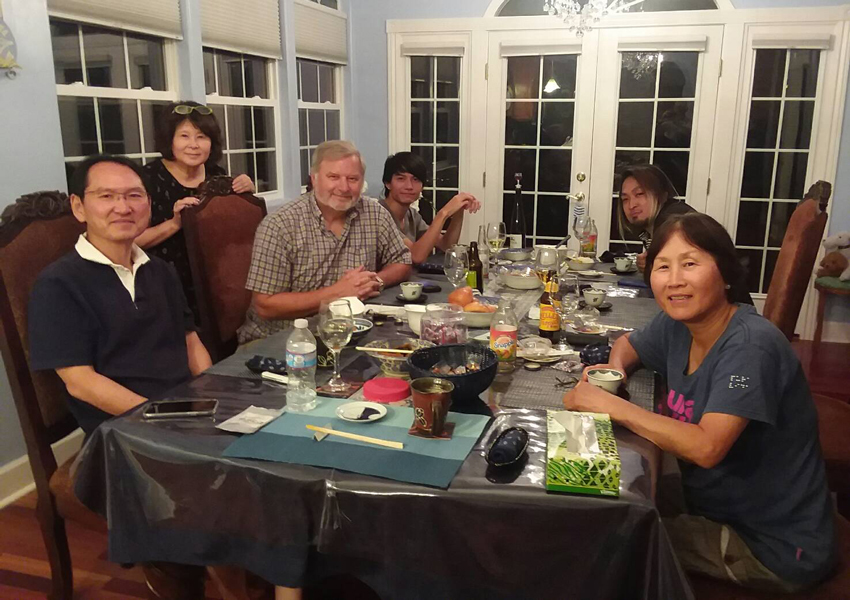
274 377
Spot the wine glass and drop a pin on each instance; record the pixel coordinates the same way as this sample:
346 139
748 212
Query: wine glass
566 306
336 324
496 236
547 264
456 265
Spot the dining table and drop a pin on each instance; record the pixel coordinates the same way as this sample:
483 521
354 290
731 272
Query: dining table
171 494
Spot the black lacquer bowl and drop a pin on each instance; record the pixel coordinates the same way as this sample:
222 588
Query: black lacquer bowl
468 386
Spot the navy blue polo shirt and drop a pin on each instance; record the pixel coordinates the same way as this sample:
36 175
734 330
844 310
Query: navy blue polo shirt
80 313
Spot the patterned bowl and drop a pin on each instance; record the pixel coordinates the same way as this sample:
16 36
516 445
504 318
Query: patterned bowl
395 365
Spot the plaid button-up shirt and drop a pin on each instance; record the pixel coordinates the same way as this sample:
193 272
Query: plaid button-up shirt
294 251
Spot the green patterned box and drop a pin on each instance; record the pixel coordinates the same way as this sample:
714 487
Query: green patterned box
582 454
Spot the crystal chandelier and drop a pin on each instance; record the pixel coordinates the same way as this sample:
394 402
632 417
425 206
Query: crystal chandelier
581 17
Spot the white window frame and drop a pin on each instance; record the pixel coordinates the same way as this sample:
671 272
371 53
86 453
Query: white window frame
215 99
82 90
339 105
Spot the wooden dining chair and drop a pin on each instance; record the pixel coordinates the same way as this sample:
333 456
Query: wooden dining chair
219 239
35 231
796 261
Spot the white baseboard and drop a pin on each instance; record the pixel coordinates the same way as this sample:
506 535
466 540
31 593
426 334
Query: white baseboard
16 478
836 331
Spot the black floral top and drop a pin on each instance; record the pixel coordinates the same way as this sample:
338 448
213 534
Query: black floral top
165 190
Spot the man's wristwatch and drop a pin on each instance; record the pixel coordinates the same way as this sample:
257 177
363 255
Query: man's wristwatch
381 283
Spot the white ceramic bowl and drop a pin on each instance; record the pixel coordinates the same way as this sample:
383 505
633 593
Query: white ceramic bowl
357 307
521 282
581 263
414 314
477 320
515 254
411 290
594 297
607 379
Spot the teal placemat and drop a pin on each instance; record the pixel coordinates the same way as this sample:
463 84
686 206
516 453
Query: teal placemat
424 461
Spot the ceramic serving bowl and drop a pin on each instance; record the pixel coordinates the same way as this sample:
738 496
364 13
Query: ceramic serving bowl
515 254
394 365
520 277
580 263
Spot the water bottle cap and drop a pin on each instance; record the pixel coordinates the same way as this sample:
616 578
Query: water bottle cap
300 323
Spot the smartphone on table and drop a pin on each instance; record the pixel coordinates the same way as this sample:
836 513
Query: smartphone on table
180 409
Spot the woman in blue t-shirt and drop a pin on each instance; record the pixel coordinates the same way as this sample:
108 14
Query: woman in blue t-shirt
738 415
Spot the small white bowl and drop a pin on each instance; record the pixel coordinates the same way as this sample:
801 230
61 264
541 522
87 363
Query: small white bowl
581 263
594 297
414 314
411 290
607 379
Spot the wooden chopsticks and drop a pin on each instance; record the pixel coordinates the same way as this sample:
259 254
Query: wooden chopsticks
359 438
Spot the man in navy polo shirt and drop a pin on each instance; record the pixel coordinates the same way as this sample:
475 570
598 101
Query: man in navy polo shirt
112 321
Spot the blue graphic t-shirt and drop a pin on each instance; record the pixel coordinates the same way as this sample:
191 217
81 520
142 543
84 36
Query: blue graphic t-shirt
771 486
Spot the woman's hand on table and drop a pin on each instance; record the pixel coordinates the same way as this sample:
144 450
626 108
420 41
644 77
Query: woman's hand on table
180 205
242 184
586 397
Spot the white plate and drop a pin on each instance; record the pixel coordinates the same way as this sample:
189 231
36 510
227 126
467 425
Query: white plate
483 337
590 273
350 411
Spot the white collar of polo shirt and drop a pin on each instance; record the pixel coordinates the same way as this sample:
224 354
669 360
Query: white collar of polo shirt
127 276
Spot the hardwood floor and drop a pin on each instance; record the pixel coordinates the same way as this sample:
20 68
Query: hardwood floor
25 573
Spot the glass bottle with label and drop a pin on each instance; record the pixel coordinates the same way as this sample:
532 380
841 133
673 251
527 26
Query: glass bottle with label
516 226
484 252
475 277
503 335
550 323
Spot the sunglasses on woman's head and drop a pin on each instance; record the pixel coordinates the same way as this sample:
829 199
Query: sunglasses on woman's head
185 109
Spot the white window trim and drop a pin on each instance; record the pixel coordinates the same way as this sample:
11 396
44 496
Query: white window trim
271 102
339 105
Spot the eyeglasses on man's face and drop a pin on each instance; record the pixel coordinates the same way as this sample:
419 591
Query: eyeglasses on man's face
134 196
185 109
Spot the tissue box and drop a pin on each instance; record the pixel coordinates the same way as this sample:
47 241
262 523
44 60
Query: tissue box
582 454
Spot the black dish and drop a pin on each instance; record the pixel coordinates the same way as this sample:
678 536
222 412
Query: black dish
421 299
629 272
604 306
467 386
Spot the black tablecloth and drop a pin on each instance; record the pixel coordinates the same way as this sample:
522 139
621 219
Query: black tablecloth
169 495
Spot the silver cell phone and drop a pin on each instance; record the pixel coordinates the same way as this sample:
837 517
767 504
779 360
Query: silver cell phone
180 409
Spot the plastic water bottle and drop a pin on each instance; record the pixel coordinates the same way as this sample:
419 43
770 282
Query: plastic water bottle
301 368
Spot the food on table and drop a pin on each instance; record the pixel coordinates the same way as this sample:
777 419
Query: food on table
405 346
461 296
479 307
440 331
443 368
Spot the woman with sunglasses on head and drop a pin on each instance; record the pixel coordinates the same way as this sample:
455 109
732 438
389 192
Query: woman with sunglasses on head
189 138
647 200
739 416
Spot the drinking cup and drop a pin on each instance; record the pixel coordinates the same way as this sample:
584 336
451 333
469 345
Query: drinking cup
411 290
432 397
594 297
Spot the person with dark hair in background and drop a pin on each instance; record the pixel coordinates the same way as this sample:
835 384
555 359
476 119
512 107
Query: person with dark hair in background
404 177
739 416
189 138
647 200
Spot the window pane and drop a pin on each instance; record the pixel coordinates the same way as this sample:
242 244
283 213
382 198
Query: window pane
309 81
752 221
751 261
443 197
446 167
769 73
637 74
521 123
797 125
302 126
239 128
266 172
634 125
305 167
674 123
427 154
803 73
330 3
448 77
316 126
520 161
332 124
426 206
769 266
263 127
218 112
623 159
104 50
79 133
758 171
448 122
559 76
242 163
256 83
556 128
780 215
209 71
421 77
527 202
552 215
764 123
791 176
152 113
147 65
327 90
554 171
229 74
523 77
66 52
119 126
678 75
675 165
421 122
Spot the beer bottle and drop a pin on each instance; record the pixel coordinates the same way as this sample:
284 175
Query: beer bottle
475 277
550 323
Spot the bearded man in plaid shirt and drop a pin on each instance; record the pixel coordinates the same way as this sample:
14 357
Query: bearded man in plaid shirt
329 243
